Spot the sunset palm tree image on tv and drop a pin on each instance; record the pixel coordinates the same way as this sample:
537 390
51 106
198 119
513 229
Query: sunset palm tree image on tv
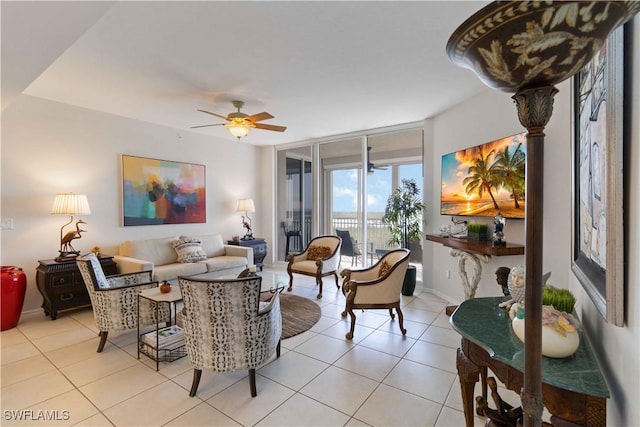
485 179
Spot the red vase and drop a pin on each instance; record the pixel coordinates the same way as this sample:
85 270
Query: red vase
14 287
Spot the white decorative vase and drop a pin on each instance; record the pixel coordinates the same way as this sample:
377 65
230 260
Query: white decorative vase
554 344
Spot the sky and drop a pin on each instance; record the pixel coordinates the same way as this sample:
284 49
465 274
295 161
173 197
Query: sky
345 187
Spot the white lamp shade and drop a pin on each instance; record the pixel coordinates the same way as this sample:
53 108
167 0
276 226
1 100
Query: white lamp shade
71 204
246 205
237 130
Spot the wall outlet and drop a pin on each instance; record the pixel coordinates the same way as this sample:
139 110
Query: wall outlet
6 223
448 274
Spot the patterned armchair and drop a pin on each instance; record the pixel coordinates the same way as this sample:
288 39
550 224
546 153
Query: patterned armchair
227 328
115 298
321 258
376 287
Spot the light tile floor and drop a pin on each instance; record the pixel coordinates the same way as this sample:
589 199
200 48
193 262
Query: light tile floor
380 378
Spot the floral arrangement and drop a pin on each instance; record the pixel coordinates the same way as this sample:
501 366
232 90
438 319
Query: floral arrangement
560 336
563 323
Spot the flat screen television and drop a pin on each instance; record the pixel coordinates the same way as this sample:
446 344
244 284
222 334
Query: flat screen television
485 179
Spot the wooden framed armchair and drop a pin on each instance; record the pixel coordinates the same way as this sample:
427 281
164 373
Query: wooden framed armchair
376 287
227 328
115 298
320 259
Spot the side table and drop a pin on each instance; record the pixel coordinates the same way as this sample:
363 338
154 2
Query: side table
259 246
573 388
157 351
61 284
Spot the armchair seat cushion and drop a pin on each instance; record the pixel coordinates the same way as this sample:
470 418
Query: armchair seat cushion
307 266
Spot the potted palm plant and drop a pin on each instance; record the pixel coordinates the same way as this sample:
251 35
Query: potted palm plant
403 216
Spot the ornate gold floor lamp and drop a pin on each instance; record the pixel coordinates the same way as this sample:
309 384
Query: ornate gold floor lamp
526 48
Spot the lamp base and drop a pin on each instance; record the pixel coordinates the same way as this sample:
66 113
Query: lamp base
67 256
247 237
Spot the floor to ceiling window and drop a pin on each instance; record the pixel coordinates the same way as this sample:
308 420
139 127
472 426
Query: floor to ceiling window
356 175
295 200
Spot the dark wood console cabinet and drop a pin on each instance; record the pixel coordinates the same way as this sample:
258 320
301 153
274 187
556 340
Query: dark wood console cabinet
62 287
259 246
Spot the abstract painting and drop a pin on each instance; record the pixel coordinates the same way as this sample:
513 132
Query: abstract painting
598 177
162 192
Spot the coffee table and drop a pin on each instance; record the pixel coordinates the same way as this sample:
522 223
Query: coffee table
271 282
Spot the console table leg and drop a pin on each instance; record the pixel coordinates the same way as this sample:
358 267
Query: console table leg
468 374
470 287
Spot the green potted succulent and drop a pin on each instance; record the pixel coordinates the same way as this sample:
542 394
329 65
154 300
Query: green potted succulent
403 216
478 232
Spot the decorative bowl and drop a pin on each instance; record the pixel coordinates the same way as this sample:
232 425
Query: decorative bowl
528 44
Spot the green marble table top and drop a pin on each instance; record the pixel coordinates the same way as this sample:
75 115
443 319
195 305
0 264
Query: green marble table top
482 322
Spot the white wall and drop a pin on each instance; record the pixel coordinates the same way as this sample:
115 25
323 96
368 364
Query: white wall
49 147
486 117
492 115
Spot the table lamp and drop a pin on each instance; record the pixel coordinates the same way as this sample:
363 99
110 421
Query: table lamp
70 204
246 206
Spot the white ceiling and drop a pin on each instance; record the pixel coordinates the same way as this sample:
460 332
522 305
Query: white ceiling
321 68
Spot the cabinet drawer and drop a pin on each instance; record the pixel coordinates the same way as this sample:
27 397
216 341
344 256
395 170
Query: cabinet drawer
70 298
67 279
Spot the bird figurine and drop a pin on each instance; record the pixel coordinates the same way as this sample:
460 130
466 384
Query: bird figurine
66 249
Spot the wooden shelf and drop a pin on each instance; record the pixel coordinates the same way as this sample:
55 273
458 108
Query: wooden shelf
479 247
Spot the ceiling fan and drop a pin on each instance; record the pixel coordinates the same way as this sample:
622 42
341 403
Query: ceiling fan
370 166
239 123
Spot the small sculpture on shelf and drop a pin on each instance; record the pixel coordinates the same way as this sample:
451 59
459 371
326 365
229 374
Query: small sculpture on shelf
502 275
516 285
499 222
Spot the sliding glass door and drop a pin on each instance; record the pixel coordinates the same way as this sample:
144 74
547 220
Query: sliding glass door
355 177
295 200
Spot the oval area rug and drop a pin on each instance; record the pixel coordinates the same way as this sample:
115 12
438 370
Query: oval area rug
299 314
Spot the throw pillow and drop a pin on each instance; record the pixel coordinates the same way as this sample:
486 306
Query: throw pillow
385 267
189 250
318 252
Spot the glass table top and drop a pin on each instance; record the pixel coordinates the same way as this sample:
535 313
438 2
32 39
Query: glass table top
270 281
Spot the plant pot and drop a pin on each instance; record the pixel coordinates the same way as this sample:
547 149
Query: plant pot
477 236
14 286
409 284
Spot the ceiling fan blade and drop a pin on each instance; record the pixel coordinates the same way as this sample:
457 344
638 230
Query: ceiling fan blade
270 127
204 126
259 117
214 114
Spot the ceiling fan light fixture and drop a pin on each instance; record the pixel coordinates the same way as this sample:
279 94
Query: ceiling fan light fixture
239 127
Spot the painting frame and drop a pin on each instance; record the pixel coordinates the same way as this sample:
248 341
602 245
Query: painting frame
455 170
598 177
159 192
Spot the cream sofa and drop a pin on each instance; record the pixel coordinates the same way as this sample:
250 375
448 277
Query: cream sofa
159 256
